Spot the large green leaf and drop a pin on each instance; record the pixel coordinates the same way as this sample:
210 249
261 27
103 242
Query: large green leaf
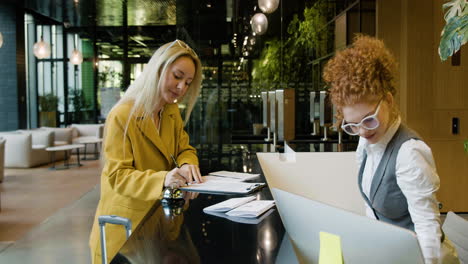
454 34
455 8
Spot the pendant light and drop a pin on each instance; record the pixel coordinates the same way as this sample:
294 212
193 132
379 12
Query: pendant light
268 6
76 57
259 23
41 49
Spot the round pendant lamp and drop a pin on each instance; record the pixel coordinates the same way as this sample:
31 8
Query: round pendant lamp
268 6
76 57
41 49
259 23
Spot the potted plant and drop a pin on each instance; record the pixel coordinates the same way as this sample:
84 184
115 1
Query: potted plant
80 105
48 110
110 82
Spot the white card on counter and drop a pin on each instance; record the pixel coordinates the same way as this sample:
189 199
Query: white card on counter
252 209
235 175
228 204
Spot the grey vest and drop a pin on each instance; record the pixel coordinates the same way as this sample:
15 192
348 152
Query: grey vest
386 198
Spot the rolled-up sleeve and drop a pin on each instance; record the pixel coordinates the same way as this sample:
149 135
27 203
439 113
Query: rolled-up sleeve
417 177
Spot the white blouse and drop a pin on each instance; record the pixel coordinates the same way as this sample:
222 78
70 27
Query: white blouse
418 180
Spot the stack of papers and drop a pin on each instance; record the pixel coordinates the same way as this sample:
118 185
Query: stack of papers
229 204
252 209
223 186
242 220
241 207
239 176
216 178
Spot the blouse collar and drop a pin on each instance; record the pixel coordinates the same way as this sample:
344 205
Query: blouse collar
383 142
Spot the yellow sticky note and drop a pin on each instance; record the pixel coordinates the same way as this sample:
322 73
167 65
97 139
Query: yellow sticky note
330 249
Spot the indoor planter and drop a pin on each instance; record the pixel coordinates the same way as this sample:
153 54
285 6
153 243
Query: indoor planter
48 110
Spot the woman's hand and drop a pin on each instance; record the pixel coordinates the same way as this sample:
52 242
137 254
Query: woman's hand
174 179
191 173
181 176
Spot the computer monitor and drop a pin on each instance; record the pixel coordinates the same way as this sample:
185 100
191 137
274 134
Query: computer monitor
363 240
329 177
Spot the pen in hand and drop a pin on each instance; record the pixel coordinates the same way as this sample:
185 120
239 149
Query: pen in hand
175 161
177 166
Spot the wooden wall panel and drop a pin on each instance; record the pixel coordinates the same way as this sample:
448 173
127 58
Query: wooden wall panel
450 86
389 22
419 65
431 92
442 125
450 82
452 166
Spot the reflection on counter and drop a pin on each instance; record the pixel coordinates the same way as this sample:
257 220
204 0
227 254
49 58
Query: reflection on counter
187 235
182 233
162 238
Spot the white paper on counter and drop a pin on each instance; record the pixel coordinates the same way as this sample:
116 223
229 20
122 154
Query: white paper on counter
235 175
228 204
252 209
243 220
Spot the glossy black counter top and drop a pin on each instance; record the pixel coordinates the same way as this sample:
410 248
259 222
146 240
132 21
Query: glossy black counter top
185 234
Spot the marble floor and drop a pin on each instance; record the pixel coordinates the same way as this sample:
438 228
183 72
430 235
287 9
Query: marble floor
46 215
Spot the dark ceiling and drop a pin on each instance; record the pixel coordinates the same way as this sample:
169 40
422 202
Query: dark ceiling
202 23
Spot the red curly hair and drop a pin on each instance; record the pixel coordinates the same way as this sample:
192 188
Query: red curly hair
364 72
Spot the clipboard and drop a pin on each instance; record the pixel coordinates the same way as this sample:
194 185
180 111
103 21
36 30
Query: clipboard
224 187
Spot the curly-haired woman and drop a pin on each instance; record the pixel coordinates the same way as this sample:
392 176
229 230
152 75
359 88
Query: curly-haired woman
397 175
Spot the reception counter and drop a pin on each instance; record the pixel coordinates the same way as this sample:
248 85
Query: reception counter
183 233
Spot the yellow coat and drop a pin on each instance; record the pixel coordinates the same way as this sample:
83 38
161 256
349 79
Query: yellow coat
135 168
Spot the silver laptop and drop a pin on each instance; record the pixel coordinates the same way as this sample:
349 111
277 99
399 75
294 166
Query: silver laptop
328 177
363 240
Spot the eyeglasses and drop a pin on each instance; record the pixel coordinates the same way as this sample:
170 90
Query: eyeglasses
369 122
182 45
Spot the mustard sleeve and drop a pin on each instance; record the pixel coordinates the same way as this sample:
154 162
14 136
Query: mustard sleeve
186 153
121 174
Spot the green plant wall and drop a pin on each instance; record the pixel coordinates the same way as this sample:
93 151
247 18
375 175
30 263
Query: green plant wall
87 72
308 38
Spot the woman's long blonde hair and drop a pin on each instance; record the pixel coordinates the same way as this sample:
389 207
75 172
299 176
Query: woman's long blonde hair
145 91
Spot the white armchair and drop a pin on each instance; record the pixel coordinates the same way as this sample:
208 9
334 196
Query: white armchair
85 132
62 136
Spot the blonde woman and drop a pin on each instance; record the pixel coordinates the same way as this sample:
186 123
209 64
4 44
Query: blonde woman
397 177
145 146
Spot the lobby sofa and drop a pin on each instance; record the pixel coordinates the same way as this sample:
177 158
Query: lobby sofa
27 148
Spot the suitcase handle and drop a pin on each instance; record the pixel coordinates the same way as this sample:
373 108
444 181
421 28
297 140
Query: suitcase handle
116 220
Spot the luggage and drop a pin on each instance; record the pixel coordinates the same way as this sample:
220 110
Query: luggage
111 219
